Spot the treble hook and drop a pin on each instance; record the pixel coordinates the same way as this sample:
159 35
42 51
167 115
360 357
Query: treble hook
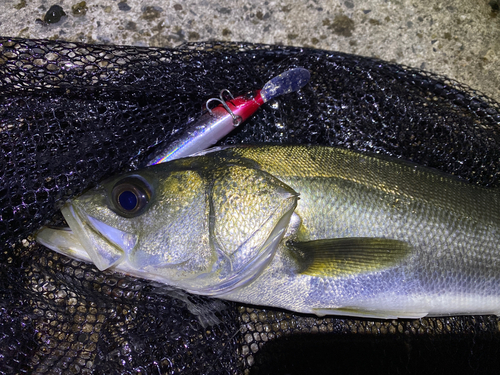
220 99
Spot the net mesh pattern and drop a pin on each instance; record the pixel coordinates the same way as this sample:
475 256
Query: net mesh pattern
73 114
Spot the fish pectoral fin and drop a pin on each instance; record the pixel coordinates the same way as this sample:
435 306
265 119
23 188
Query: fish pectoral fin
377 314
347 256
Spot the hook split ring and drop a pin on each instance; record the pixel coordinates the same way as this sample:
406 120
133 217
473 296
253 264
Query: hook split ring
220 99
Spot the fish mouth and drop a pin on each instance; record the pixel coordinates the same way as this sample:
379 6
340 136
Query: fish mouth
88 239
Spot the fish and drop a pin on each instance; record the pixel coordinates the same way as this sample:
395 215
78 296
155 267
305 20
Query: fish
310 229
227 116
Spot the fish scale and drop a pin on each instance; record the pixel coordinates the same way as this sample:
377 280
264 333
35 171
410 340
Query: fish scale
322 230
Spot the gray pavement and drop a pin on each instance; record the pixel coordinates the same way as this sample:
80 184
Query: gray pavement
458 38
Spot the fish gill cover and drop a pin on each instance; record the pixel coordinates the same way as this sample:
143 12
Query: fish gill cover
73 114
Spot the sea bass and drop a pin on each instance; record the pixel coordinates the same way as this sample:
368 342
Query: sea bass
309 229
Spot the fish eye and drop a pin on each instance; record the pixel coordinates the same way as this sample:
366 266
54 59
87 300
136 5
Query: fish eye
130 196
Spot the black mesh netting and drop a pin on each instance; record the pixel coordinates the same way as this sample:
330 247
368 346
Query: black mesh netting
72 114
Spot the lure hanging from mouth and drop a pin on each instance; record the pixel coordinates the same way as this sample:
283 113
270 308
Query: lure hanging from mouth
227 116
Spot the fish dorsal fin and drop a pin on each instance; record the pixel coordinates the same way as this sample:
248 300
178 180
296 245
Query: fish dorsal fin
347 256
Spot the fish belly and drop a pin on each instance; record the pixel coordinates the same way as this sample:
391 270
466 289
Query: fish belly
399 292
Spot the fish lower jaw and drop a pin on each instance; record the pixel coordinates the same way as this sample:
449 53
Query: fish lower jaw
63 241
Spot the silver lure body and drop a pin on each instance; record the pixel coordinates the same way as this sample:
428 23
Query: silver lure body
221 120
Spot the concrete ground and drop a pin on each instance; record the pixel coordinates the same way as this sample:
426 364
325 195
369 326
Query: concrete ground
457 38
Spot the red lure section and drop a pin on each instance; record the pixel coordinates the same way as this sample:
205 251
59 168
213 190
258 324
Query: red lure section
242 106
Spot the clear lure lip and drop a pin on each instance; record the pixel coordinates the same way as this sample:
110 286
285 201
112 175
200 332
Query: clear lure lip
229 114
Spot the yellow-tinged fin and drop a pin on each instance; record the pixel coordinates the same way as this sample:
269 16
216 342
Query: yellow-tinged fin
347 256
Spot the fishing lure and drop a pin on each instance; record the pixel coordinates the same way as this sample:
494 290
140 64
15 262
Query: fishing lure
227 116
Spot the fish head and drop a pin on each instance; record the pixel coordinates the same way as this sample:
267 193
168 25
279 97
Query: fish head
203 226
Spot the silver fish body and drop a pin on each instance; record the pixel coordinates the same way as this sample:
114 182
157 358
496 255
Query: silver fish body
307 228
